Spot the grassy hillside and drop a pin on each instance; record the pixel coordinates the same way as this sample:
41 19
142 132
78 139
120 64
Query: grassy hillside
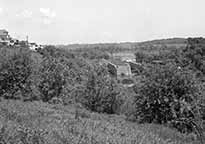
37 122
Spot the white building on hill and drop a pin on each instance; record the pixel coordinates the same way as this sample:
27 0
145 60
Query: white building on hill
4 37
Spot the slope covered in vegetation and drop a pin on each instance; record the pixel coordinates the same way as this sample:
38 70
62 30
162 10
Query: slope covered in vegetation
38 122
70 96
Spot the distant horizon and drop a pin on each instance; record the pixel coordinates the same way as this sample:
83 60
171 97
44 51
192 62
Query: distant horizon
127 41
119 42
165 38
108 21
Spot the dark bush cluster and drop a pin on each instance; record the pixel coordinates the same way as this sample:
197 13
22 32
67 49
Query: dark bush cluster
54 52
51 74
195 54
172 92
95 54
52 78
16 72
169 95
100 92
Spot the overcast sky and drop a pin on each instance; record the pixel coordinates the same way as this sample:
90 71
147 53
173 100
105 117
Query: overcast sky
94 21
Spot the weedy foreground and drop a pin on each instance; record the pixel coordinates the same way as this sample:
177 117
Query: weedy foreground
42 123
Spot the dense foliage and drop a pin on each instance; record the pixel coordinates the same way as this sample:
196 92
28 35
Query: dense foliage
77 80
52 51
52 78
16 69
95 54
168 95
195 54
100 92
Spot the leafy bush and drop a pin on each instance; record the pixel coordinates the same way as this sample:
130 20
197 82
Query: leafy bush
195 54
52 78
142 57
95 54
54 52
100 92
168 95
15 73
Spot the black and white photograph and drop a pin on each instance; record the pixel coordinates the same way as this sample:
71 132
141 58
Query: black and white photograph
102 72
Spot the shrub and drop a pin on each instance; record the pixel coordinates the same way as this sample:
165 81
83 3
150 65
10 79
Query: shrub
100 93
54 52
95 54
52 78
142 57
168 95
15 73
195 54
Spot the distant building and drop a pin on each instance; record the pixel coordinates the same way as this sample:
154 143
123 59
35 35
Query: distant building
33 46
5 39
120 71
136 68
118 68
124 70
4 35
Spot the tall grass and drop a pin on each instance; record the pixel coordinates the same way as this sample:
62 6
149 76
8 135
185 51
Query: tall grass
40 123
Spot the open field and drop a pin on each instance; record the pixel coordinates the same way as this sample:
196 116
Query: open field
38 122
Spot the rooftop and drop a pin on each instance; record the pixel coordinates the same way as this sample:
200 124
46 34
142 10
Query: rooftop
3 32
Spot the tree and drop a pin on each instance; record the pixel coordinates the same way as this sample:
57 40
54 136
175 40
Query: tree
52 78
195 54
100 93
16 68
168 95
142 57
54 52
